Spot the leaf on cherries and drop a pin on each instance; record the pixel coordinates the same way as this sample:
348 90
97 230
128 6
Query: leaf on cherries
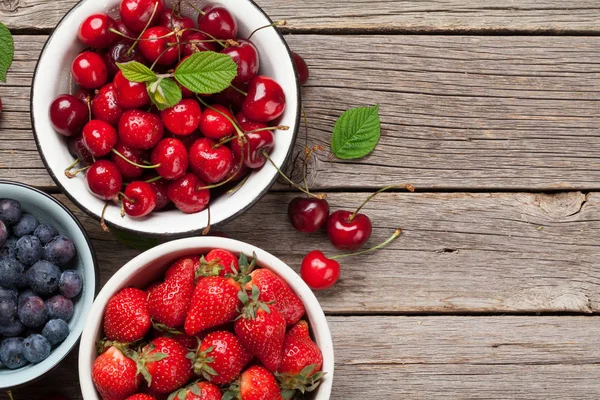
134 71
164 93
356 133
7 51
206 72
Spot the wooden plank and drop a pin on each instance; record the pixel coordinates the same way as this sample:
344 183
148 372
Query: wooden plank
459 252
476 113
486 16
442 357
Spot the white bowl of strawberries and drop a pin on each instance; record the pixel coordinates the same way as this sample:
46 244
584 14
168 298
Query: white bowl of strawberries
173 113
206 318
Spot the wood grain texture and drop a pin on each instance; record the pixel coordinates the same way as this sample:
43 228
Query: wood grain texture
441 358
427 16
476 113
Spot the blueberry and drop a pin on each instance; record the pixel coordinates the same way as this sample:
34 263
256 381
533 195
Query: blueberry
33 312
59 307
8 310
9 250
70 284
10 272
43 277
36 348
8 293
59 251
25 225
56 331
11 353
25 294
45 233
3 233
29 250
10 211
12 329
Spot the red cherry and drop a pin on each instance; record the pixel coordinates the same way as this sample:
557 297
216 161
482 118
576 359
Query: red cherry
140 130
187 140
211 164
301 68
196 42
125 31
89 70
308 214
248 125
105 106
104 180
119 53
139 199
265 101
346 233
84 95
161 188
155 46
99 137
130 94
68 115
246 57
231 97
254 144
136 13
172 156
238 169
94 31
78 150
188 195
214 124
183 118
218 22
181 25
318 271
128 170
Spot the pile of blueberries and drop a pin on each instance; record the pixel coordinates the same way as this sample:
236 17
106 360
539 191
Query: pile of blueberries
37 287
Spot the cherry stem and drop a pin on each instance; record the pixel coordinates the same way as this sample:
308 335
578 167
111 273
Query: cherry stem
397 233
307 154
102 220
139 39
274 25
235 125
240 91
408 187
294 184
70 167
238 186
10 395
199 11
157 60
134 163
155 179
72 175
145 29
206 230
224 43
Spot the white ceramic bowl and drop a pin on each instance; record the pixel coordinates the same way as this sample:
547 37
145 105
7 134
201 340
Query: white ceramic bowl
48 210
51 78
151 265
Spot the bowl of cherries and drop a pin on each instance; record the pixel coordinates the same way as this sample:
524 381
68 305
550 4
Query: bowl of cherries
161 118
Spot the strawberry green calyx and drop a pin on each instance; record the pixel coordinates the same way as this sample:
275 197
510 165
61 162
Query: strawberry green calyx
144 357
104 344
208 268
233 392
163 328
181 394
306 381
242 276
201 363
252 304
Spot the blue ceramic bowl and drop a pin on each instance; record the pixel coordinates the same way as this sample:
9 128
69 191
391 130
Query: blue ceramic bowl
48 210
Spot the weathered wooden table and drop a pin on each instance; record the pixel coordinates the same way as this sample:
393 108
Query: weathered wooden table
491 109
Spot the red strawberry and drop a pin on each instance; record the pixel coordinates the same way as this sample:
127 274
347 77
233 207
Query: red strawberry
221 358
198 391
115 375
126 317
183 264
141 396
169 302
189 342
256 383
225 259
261 330
274 289
215 302
164 365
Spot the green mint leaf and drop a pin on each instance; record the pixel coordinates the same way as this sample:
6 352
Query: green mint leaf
206 72
136 72
7 51
164 93
356 133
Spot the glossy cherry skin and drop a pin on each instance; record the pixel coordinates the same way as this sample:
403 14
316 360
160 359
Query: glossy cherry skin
68 115
161 188
188 194
231 97
214 124
89 70
217 21
173 158
246 58
183 118
104 180
210 164
177 23
139 199
154 46
301 68
84 95
94 31
105 106
130 94
348 234
78 150
247 125
135 14
99 137
140 130
254 144
265 101
308 214
128 170
118 53
128 35
318 271
197 42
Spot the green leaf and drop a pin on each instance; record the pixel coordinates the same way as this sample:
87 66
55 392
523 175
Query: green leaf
7 51
164 93
206 72
356 133
137 72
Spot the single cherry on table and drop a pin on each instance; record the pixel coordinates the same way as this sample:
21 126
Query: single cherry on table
308 214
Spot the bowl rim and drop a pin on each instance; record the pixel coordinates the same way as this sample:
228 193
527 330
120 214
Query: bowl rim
174 235
143 260
96 279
